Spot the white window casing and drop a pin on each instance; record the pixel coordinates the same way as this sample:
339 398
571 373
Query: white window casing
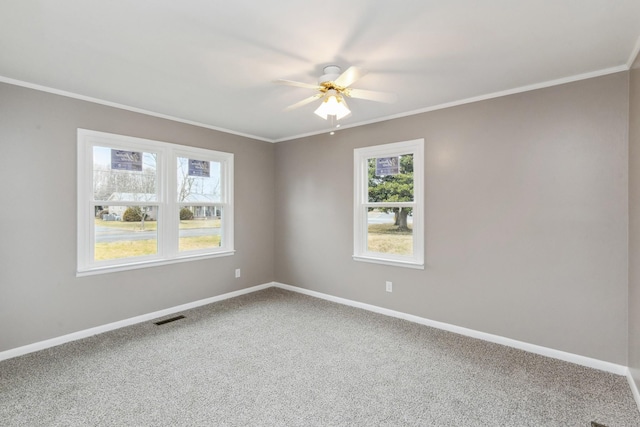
362 204
163 202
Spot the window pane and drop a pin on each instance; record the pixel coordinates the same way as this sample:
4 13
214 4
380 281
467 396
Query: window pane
391 179
390 231
127 176
125 232
200 228
198 181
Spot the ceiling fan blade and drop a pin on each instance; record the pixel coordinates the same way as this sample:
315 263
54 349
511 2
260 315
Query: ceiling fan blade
344 101
351 75
296 84
372 95
304 102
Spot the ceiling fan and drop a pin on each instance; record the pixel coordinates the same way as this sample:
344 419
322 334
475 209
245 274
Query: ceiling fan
333 88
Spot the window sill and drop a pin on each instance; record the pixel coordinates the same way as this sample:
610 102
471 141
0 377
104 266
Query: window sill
374 260
145 264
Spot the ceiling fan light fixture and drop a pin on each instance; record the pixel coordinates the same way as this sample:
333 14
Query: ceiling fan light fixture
333 89
333 105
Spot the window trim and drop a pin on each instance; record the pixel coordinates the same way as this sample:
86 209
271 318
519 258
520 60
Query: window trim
361 202
166 178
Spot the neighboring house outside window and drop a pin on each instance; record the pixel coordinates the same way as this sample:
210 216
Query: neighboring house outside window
144 202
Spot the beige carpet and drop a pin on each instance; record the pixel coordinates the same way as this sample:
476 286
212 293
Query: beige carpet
277 358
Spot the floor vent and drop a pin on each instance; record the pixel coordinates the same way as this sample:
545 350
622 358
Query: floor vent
173 319
595 424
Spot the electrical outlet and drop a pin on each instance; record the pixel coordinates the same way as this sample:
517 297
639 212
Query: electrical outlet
389 287
237 273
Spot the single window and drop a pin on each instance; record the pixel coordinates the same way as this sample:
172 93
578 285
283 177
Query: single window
126 216
388 206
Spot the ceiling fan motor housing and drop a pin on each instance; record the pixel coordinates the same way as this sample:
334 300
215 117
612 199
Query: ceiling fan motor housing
331 73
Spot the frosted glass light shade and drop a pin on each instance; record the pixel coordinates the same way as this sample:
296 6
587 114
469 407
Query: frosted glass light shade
333 105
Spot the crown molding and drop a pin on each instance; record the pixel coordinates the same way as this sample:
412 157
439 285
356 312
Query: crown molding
521 89
124 107
527 88
634 54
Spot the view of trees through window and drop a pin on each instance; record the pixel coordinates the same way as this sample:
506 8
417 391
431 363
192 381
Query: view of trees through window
127 208
390 228
198 186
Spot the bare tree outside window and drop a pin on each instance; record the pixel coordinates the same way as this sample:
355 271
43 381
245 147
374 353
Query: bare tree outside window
144 202
114 185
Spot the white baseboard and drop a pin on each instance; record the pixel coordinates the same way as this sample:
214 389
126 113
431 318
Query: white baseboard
532 348
30 348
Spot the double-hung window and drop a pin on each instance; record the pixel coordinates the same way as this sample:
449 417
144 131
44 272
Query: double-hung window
388 204
144 202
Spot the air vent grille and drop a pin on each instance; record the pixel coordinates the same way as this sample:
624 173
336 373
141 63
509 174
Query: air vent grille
172 319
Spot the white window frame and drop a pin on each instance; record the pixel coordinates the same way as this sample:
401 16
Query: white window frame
361 158
168 206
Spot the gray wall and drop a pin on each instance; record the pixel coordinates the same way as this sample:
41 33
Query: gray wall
634 222
40 297
526 217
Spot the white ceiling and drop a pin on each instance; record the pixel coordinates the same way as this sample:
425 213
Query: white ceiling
213 63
